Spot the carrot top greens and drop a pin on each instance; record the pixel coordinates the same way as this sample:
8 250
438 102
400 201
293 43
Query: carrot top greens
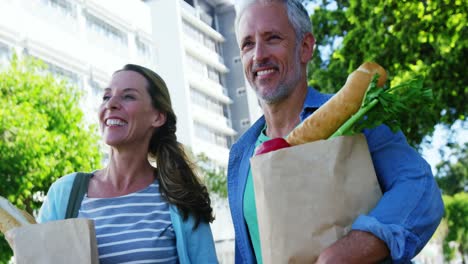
387 105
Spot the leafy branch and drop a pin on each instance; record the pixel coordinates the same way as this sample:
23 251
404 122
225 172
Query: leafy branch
387 105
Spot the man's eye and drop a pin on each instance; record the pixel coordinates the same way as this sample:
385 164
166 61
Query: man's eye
246 44
129 97
274 37
105 98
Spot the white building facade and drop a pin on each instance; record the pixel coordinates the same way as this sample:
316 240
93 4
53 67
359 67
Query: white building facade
83 41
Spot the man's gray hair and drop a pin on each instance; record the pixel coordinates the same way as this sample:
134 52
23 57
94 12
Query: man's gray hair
297 15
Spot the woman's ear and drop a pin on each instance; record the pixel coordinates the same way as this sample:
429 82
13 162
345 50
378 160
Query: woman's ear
159 119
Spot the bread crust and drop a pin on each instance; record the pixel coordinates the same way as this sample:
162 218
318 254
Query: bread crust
7 221
346 102
12 217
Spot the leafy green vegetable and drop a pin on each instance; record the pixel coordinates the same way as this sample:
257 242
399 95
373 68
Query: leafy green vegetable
388 105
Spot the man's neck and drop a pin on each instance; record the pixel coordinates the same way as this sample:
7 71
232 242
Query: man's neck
282 117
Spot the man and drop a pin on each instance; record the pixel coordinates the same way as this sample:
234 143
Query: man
276 44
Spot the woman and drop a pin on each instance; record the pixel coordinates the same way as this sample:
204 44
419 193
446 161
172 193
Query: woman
142 214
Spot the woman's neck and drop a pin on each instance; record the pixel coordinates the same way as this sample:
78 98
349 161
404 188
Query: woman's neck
125 173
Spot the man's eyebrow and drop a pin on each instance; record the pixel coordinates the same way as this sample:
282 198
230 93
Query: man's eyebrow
244 39
129 89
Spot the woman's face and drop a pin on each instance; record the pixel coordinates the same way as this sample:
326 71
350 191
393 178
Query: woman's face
126 114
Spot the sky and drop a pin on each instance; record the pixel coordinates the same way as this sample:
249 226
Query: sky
441 134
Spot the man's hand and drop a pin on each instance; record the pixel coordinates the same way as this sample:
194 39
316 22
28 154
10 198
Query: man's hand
355 247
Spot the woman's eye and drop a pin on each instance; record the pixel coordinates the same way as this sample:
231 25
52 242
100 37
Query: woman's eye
105 97
128 96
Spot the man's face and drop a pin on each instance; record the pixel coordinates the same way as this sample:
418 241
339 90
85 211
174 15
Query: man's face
269 52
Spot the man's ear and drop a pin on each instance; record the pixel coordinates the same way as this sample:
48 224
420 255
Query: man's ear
159 119
307 48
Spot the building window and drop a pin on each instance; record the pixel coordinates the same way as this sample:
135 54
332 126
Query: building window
63 6
63 74
207 102
200 37
196 65
5 54
143 48
207 134
192 32
190 2
213 74
245 123
206 18
210 44
105 29
96 90
240 91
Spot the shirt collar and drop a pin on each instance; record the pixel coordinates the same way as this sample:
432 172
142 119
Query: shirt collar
314 99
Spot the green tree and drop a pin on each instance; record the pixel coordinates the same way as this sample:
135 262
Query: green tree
42 135
213 176
452 177
408 38
456 215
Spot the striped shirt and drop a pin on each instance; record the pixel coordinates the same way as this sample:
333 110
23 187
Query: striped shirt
134 228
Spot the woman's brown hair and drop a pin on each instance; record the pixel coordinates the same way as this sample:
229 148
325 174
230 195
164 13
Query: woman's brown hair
177 180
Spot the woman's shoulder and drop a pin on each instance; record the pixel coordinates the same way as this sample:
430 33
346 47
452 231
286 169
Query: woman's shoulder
65 181
54 205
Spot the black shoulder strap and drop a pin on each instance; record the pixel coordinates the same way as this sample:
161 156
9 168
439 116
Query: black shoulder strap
79 188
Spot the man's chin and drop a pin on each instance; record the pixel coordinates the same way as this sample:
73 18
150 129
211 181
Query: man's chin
272 98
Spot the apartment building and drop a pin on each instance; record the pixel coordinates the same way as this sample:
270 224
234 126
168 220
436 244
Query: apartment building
198 57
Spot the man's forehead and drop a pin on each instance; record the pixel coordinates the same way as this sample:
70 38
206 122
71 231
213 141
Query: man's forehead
264 17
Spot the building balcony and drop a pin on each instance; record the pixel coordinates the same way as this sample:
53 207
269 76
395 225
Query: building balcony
199 51
67 17
218 154
207 86
192 15
212 120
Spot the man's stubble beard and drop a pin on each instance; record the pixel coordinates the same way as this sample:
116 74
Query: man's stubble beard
284 88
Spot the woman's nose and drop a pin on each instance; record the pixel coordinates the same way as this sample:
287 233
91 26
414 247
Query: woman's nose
113 103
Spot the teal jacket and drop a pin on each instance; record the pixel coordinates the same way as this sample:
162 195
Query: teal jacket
193 246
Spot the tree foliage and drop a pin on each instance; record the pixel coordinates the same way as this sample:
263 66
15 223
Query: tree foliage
408 38
452 176
456 214
214 176
42 135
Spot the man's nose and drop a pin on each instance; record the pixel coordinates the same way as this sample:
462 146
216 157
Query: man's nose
260 52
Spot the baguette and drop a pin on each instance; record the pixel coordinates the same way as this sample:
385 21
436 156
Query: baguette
12 217
334 113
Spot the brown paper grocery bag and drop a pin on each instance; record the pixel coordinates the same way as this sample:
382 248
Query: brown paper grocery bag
71 241
307 196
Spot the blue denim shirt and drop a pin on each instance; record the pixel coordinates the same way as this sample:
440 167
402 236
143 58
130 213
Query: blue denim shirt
407 214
